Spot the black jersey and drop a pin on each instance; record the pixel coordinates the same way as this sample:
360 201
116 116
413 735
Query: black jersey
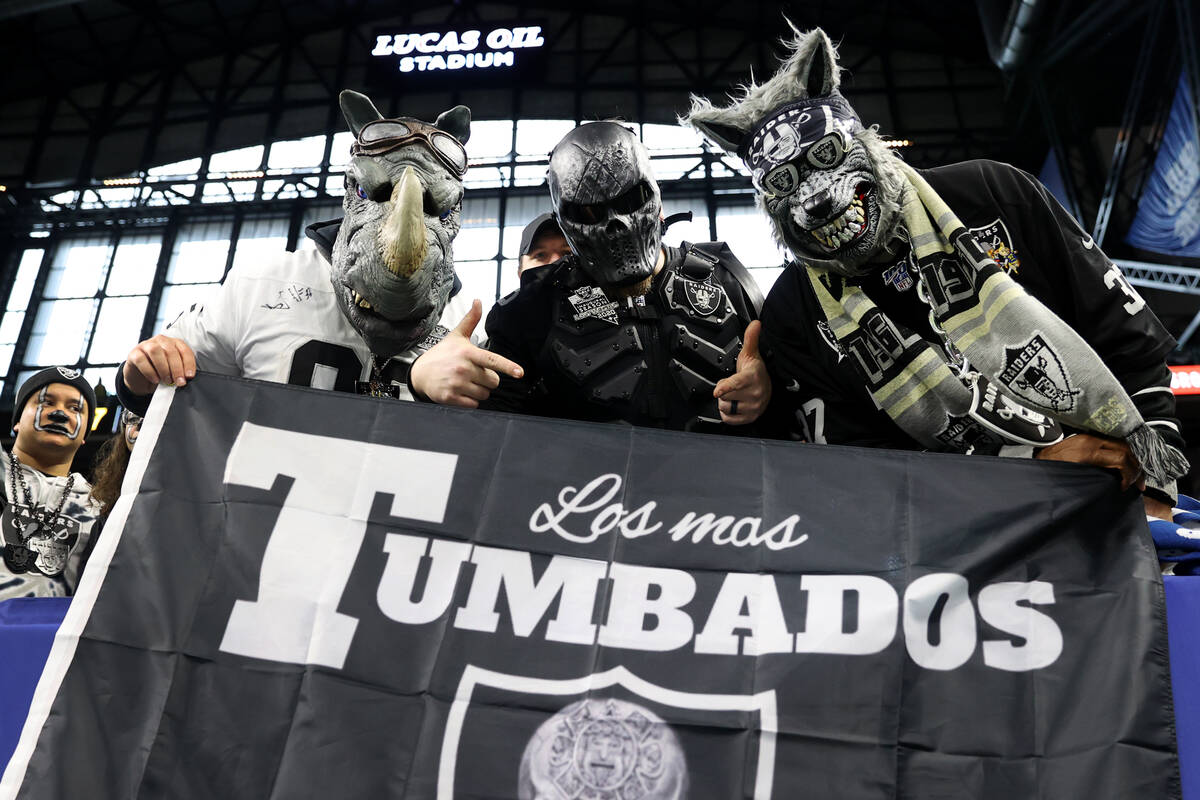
1031 237
651 360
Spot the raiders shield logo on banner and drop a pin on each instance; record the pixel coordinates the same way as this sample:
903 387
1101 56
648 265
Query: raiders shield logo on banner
1035 373
607 736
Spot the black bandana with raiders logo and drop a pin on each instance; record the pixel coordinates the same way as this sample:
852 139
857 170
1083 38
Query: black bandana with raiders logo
792 130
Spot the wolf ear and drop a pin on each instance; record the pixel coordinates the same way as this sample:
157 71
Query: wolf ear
728 137
357 109
819 72
456 122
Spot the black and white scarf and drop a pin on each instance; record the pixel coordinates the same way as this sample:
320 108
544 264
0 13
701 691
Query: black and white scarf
1004 349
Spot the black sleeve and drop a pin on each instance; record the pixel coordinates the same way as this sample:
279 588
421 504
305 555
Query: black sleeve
516 326
138 404
1095 298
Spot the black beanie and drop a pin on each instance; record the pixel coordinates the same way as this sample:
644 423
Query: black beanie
71 377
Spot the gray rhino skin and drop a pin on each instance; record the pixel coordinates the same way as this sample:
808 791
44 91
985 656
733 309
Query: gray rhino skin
868 186
393 260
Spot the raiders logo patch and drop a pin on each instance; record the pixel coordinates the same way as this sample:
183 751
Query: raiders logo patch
704 297
1012 421
1035 374
589 302
780 181
69 374
995 240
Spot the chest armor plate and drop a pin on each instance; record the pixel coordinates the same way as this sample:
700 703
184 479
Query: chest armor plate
653 359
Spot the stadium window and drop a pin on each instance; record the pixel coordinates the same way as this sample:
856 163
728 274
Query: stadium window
684 231
296 154
133 265
179 169
260 240
118 328
79 267
478 281
196 267
749 235
339 151
244 159
60 332
537 137
669 138
490 140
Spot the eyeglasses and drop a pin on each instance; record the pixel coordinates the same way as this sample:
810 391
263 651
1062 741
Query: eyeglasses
385 135
826 153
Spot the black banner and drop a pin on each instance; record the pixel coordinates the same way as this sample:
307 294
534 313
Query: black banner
310 594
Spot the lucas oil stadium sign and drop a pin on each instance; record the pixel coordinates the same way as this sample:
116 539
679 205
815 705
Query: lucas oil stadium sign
503 48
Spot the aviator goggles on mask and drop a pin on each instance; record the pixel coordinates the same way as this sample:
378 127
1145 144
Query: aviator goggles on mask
385 135
815 133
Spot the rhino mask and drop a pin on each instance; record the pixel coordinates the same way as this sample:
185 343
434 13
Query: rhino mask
393 261
832 190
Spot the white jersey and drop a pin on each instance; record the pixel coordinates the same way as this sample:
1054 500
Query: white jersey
280 321
43 552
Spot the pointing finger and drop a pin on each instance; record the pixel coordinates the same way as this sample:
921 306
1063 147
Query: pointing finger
495 361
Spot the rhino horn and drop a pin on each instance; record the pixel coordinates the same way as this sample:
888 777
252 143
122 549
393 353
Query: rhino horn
402 235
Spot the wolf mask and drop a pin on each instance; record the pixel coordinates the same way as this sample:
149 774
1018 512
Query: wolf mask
829 186
393 262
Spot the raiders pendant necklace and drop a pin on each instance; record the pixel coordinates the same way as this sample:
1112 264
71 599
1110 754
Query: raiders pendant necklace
40 516
378 386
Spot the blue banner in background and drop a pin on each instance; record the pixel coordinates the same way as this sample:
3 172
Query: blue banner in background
1168 215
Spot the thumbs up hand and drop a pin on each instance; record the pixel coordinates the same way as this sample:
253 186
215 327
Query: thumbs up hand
455 372
743 396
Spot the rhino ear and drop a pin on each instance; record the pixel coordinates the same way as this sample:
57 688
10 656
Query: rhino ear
357 109
728 137
456 122
820 74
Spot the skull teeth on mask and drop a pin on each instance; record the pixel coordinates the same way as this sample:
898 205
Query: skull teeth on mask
607 203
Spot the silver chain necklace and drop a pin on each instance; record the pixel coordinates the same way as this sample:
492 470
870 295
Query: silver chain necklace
40 516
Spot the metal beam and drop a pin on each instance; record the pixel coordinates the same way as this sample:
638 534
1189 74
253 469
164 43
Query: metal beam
1161 276
1129 119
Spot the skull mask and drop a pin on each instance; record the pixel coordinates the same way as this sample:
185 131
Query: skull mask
607 203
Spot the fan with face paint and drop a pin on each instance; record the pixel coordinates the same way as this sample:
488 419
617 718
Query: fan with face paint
608 205
829 186
393 260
